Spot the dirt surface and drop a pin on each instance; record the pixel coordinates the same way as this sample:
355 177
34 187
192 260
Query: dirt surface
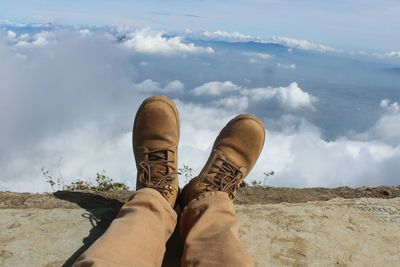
338 232
279 226
273 195
246 195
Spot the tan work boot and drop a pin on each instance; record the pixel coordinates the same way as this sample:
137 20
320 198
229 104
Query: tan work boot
233 155
155 146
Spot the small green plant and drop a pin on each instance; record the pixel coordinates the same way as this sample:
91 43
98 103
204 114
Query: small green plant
187 172
243 184
255 183
263 183
78 185
103 183
266 177
51 180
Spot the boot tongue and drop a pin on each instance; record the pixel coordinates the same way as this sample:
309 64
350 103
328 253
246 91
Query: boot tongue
215 170
224 171
158 170
213 165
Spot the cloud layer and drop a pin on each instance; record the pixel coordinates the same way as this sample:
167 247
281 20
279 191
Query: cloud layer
215 88
151 87
148 41
286 41
304 44
69 98
291 97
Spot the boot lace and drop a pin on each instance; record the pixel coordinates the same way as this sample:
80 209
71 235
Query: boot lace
158 171
227 178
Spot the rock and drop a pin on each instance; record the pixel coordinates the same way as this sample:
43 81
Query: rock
342 232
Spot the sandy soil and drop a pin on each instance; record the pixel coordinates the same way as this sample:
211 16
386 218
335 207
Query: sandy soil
52 230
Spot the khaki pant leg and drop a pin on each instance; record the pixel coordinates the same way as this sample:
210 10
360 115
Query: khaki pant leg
137 236
209 227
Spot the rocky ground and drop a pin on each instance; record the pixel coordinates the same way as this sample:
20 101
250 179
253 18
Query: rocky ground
280 226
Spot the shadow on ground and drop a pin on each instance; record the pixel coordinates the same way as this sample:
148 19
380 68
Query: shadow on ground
101 211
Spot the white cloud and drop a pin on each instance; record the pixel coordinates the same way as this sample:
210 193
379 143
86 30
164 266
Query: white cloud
174 87
215 88
71 97
11 35
253 61
286 66
388 55
389 106
240 37
8 23
38 40
257 57
359 52
24 37
228 36
386 129
291 97
304 159
393 54
237 103
85 32
148 41
21 56
294 97
89 147
149 86
303 44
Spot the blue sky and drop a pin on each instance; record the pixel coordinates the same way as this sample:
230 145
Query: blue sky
359 24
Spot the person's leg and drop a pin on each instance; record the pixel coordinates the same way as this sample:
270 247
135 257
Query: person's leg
138 235
209 225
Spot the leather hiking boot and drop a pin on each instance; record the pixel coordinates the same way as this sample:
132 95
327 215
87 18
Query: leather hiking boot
155 146
233 155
